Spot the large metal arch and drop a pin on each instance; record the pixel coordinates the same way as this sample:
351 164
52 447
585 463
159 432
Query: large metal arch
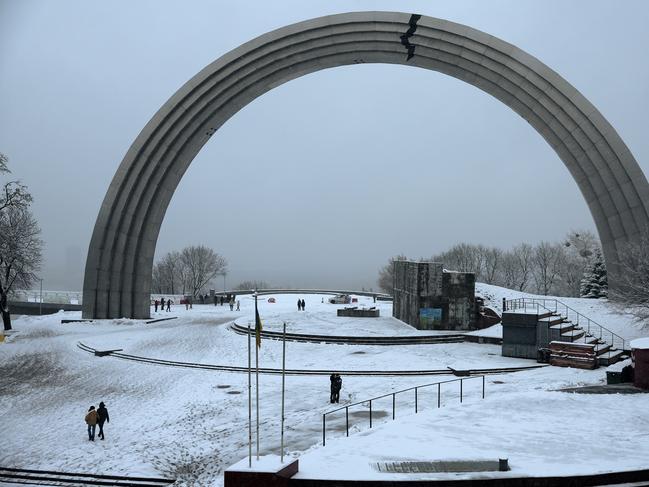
117 278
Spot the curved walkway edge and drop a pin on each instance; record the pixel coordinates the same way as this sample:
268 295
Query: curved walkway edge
272 371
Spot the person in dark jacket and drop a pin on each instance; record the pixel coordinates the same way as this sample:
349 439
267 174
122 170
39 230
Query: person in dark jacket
332 380
162 304
102 414
169 304
303 304
337 385
299 304
91 421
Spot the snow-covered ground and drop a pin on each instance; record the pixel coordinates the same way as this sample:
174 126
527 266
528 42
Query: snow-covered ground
192 424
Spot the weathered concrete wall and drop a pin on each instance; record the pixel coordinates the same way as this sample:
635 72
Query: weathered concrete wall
519 334
428 298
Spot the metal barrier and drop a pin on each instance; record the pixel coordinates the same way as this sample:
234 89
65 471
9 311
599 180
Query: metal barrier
394 394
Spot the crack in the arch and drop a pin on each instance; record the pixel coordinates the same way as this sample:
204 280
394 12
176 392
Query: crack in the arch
405 38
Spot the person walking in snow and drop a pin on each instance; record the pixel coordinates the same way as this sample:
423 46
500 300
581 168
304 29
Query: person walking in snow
162 304
231 305
169 304
102 417
155 304
303 304
238 305
91 421
299 305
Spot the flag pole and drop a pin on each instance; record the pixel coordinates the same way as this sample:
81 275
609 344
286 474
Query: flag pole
283 384
257 372
249 400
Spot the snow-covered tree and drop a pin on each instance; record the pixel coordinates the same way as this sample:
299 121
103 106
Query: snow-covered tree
595 281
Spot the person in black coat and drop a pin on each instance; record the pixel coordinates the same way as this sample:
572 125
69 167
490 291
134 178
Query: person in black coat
303 304
102 412
337 385
332 380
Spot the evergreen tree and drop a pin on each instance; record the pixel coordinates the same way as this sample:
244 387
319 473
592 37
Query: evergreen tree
595 282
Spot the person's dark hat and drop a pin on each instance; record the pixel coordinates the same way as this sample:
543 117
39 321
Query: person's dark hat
101 404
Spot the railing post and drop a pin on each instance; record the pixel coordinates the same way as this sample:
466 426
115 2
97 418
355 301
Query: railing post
461 390
416 409
439 388
347 420
483 387
370 414
393 405
323 428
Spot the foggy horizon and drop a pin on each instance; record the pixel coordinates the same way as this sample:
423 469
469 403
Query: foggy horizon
320 181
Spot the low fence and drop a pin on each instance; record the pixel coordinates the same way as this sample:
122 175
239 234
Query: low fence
393 396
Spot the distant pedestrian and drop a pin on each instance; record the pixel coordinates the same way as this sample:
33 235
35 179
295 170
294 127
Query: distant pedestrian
238 305
332 379
299 305
155 304
216 300
221 299
303 304
169 304
102 417
231 305
337 385
162 304
91 421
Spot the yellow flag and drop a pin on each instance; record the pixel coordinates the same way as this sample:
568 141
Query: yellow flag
258 328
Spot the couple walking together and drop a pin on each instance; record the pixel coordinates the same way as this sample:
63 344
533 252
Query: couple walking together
96 417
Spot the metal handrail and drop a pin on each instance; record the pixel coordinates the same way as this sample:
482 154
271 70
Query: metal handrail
592 328
394 394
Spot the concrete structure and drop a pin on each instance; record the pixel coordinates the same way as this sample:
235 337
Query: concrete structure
118 268
428 298
358 312
640 360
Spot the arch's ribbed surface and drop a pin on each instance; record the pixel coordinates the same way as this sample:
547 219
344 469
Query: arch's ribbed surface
118 269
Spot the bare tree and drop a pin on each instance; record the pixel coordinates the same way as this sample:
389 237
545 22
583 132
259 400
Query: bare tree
524 257
386 274
20 243
580 248
14 194
492 261
631 291
201 264
463 257
20 254
548 259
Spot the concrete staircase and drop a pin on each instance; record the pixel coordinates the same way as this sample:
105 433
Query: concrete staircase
559 323
564 330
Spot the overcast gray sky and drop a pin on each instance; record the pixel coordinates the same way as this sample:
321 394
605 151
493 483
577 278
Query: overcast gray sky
321 180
